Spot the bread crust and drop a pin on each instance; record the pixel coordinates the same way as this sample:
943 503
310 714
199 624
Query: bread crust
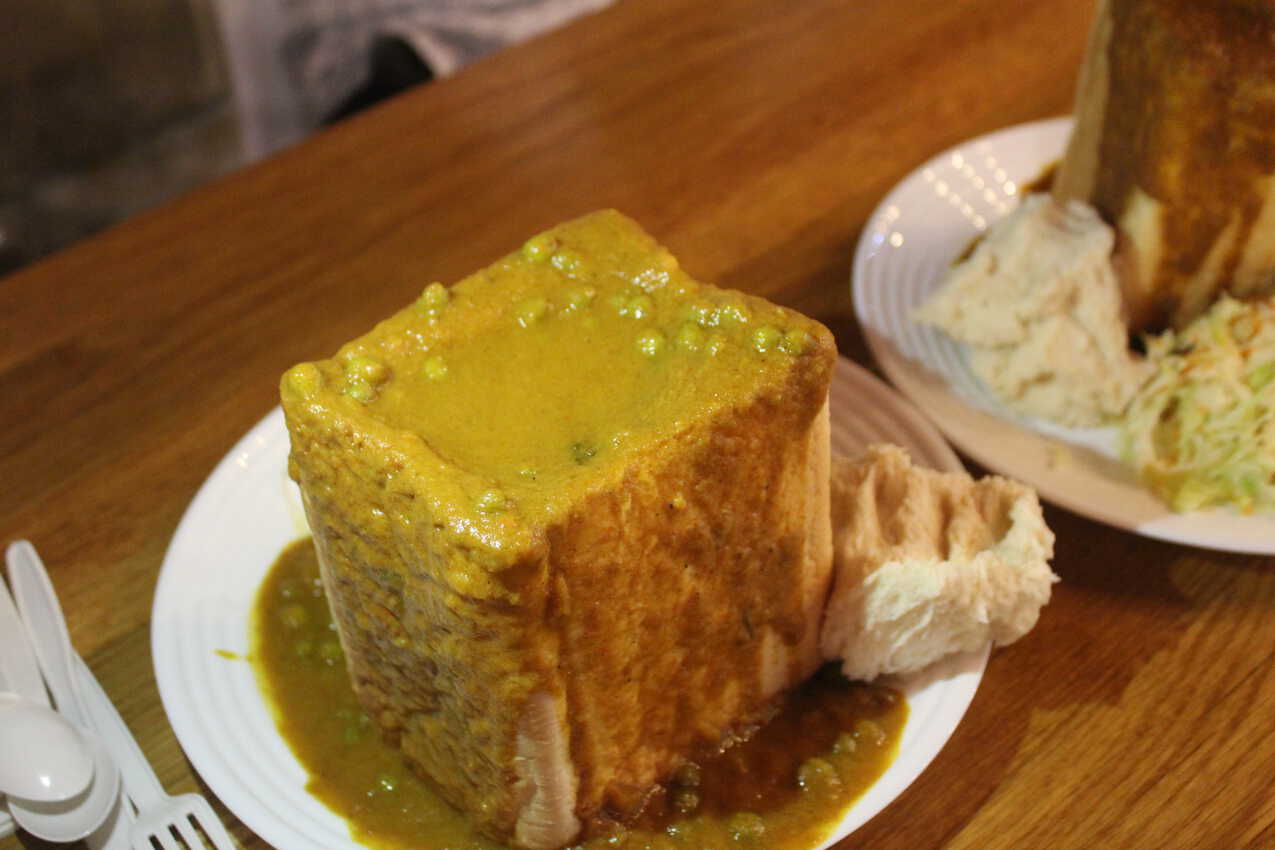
1174 145
546 669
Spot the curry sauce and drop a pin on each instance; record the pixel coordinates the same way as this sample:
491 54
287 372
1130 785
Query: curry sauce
540 376
784 788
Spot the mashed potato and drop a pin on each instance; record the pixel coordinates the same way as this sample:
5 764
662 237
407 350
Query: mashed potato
1038 305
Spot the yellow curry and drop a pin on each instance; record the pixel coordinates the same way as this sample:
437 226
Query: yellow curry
783 789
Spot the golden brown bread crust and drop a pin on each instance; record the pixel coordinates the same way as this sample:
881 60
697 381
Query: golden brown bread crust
665 612
1175 146
885 508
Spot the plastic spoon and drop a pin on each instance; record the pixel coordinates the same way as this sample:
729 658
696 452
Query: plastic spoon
72 819
29 767
42 756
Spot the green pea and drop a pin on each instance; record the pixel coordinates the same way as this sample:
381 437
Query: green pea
539 248
330 652
869 732
365 368
435 368
796 342
294 616
434 298
716 342
746 826
690 337
845 744
578 299
765 338
702 314
651 343
360 389
639 307
304 380
290 589
530 311
816 774
303 648
583 452
566 261
352 734
490 502
732 314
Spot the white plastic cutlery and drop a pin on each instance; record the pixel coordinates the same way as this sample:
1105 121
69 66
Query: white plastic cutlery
18 665
42 757
20 673
161 820
159 816
39 611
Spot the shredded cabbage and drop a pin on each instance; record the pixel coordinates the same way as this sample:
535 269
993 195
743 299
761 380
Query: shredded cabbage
1201 431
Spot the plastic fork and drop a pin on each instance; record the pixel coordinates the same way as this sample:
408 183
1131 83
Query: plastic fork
161 819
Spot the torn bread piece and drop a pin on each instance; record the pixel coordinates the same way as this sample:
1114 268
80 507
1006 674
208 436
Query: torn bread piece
929 563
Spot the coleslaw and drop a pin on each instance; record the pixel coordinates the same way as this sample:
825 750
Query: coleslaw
1201 431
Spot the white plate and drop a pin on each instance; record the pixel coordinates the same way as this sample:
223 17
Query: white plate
248 510
906 247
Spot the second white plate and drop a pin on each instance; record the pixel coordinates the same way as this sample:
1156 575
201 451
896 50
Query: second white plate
906 247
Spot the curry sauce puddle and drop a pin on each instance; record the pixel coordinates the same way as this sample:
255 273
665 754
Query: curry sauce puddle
783 789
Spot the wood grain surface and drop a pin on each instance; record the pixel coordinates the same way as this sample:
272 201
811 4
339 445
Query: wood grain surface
753 138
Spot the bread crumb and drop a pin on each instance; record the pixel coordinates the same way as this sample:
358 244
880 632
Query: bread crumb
1058 456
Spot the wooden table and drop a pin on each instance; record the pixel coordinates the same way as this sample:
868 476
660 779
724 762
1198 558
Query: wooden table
753 138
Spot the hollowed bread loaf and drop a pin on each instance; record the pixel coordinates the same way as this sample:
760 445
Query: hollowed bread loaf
1175 146
572 517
